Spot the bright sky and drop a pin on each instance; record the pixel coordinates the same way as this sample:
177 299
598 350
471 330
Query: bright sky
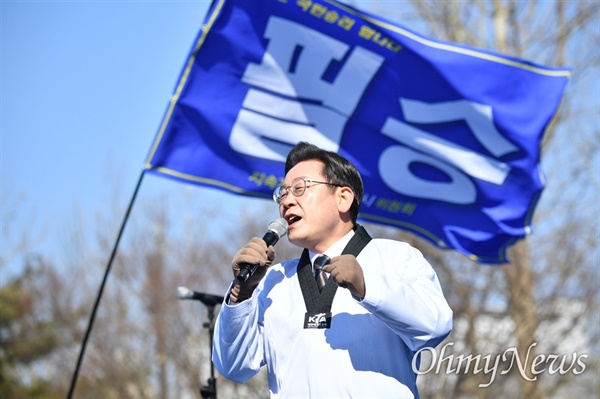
84 88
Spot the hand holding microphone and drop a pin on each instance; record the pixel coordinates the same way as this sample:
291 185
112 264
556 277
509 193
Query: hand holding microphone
251 262
252 256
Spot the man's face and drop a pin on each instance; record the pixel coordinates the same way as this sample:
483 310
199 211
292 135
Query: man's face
313 218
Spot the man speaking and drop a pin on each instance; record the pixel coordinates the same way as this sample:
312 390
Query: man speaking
345 318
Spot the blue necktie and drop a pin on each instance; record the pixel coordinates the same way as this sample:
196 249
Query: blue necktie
320 275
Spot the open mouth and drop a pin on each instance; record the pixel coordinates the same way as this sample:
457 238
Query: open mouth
292 219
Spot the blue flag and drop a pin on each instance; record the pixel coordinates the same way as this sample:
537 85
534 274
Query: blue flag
446 137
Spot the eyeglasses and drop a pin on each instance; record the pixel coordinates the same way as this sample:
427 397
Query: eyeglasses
298 187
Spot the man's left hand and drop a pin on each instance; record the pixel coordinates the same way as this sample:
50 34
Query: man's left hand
347 273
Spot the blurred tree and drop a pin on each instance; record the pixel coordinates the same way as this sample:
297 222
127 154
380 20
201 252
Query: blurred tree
27 335
31 319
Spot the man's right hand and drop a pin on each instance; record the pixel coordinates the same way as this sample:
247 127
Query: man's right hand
255 252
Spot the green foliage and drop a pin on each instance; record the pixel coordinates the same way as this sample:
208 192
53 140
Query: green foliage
25 337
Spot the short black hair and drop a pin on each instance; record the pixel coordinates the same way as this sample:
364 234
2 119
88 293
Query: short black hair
336 169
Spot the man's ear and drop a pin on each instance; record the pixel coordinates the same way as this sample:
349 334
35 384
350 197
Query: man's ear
345 199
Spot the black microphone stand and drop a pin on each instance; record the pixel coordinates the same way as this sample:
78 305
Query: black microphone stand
209 391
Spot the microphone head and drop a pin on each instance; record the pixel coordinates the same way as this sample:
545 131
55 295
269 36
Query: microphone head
184 293
279 226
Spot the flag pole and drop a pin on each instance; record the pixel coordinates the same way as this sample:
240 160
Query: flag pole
102 285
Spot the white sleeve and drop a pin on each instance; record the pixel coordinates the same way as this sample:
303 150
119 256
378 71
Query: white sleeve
237 341
403 291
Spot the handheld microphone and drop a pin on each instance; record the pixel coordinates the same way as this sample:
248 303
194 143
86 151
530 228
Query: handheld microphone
276 230
207 299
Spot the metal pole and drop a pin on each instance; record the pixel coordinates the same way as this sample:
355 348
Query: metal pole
101 290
